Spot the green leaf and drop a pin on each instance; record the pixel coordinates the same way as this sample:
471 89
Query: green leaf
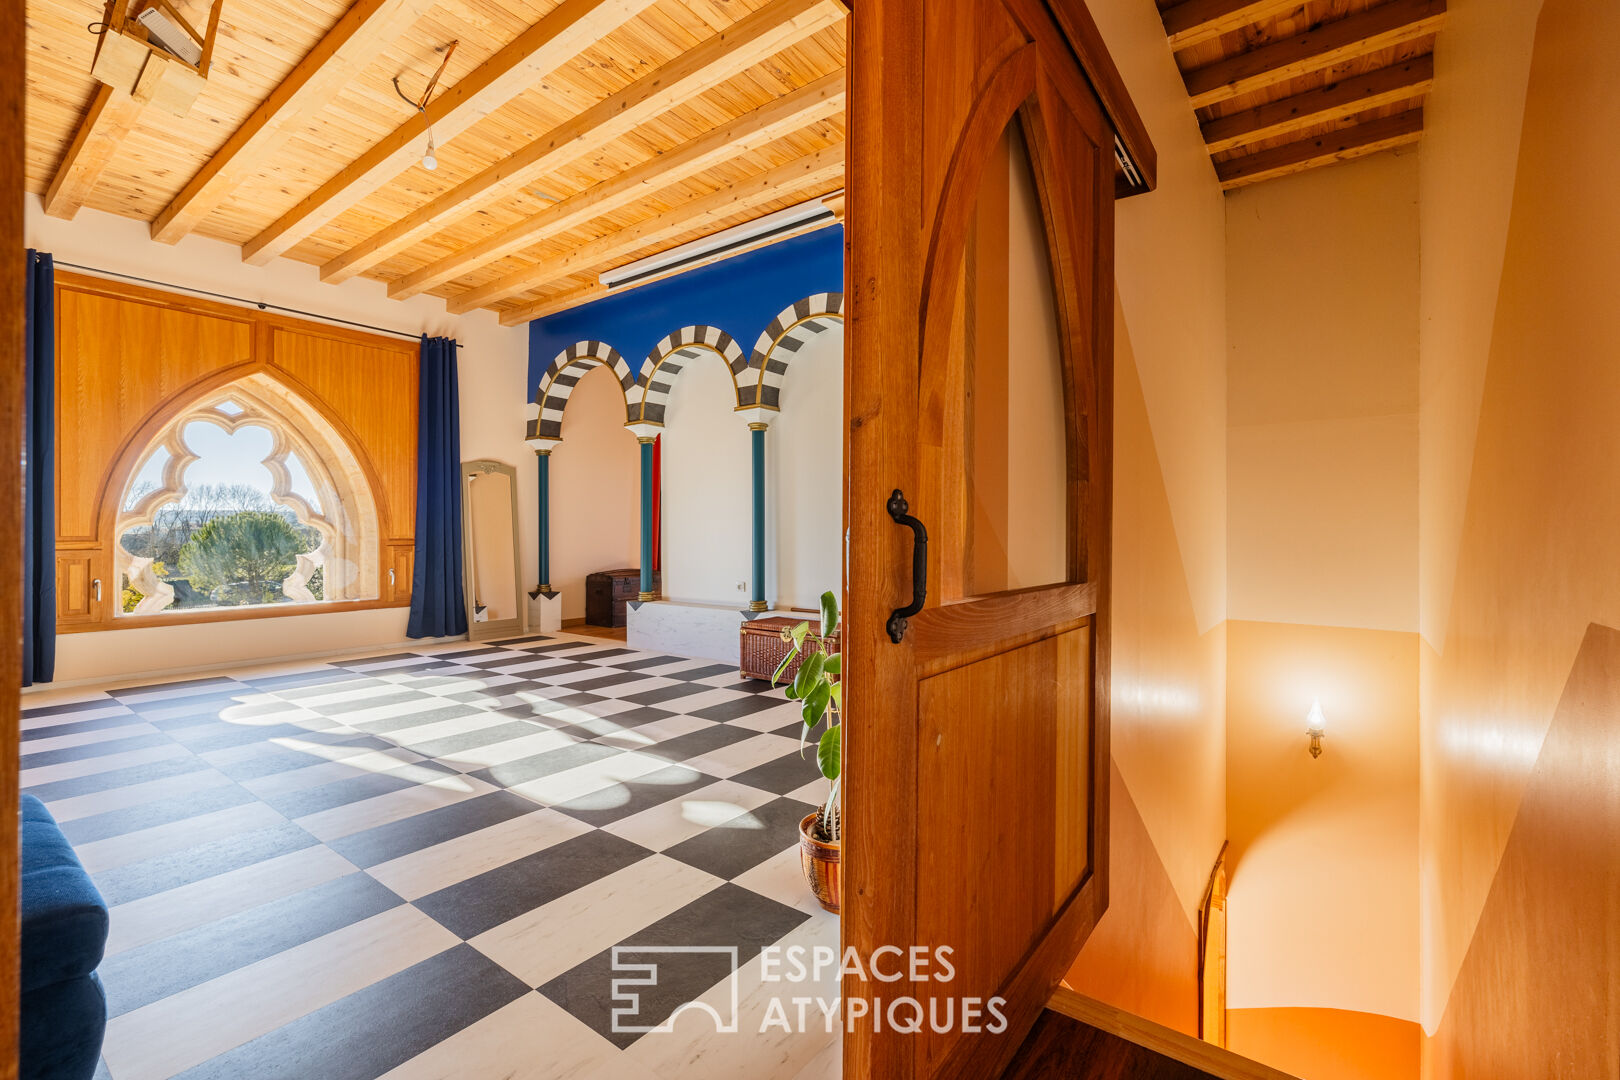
798 633
809 674
815 704
834 664
829 614
786 660
837 694
830 753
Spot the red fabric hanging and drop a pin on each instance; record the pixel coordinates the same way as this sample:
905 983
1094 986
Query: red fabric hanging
657 500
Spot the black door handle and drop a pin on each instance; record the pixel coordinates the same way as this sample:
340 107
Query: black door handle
900 512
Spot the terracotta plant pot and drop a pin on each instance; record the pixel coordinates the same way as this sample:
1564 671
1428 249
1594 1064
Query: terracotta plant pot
821 865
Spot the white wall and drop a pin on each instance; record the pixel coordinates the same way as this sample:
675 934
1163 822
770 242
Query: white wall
804 478
707 489
493 369
595 490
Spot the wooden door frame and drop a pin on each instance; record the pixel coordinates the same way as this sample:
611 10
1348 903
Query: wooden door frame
1212 977
12 26
882 214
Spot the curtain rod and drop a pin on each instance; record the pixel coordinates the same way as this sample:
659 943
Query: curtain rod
262 305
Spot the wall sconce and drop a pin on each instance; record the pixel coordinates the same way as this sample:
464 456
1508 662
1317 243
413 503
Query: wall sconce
1316 728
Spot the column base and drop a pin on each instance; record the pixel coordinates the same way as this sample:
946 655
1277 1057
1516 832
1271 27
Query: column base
545 611
758 605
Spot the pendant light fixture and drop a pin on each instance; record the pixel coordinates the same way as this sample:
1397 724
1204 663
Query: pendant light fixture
430 159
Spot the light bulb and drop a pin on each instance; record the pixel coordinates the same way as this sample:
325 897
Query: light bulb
429 162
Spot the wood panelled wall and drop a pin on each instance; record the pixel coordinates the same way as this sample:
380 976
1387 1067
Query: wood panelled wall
128 358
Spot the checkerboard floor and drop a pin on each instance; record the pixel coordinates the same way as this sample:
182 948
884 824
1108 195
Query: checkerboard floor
418 865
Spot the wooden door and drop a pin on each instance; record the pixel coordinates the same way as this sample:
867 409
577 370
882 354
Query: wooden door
979 407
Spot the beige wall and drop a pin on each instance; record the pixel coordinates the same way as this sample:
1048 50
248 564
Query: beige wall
1322 316
595 477
493 365
1169 742
1169 642
1323 324
1469 158
804 479
1170 270
1535 557
707 509
1322 901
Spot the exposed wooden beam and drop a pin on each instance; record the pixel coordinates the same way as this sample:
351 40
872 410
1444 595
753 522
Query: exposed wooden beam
1386 86
1196 21
822 167
1350 142
570 28
740 46
809 103
350 46
113 115
1322 47
584 294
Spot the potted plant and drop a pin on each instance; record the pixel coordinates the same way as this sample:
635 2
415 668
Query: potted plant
817 686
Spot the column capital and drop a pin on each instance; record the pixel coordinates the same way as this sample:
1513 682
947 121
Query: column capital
758 425
758 416
644 431
542 446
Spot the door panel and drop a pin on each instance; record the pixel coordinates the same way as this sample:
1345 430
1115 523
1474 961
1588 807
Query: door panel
980 386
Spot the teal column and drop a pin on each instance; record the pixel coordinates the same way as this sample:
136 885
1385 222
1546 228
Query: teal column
543 460
756 433
646 518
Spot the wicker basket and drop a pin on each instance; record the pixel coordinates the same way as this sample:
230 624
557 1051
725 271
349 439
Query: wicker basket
762 648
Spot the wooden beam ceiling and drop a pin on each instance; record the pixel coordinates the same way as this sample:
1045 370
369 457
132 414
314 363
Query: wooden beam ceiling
545 46
1366 138
1197 21
1333 43
113 115
659 121
817 169
810 103
351 45
755 38
1278 88
1332 101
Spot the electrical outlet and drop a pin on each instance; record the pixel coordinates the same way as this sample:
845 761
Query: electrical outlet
742 586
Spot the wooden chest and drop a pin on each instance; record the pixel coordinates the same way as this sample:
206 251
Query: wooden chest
762 646
608 594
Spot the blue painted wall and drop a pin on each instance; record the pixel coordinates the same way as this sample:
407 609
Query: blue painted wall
740 295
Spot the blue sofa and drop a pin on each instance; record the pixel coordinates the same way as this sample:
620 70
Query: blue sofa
64 933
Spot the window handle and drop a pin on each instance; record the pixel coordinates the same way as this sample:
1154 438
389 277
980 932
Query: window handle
95 584
390 575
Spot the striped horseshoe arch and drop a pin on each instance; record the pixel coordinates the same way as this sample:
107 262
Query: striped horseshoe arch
672 354
564 374
788 333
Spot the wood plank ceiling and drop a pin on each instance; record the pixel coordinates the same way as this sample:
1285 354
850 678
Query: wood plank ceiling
571 136
1280 86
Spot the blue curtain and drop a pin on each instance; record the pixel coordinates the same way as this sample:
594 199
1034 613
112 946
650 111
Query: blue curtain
438 607
39 472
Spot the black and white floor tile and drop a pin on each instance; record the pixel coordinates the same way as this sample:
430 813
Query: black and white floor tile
418 865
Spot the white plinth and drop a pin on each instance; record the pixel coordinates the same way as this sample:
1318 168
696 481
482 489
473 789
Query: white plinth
708 631
545 613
